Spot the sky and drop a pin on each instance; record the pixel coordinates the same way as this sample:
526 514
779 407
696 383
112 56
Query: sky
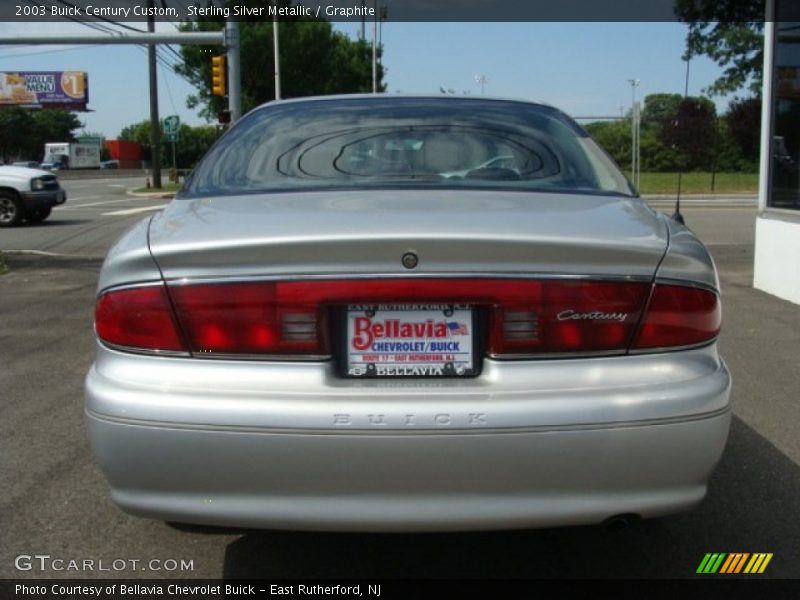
581 68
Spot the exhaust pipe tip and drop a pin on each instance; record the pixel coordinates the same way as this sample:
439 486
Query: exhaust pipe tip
621 522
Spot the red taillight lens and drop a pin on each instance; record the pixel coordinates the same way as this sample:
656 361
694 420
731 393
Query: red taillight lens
247 318
526 317
568 316
679 316
137 318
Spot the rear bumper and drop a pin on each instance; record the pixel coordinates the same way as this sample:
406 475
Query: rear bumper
505 450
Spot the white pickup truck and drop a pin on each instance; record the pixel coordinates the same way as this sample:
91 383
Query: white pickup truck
27 194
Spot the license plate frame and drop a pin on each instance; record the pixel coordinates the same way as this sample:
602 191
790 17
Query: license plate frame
427 356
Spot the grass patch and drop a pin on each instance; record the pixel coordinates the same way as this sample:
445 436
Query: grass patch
699 183
651 183
169 187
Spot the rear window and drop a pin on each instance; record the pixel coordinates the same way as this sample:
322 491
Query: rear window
397 142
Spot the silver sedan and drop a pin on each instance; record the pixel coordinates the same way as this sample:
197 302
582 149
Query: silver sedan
327 330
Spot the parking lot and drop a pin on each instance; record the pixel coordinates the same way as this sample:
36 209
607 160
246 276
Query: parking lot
56 501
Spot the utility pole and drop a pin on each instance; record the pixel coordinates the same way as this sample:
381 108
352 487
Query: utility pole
155 125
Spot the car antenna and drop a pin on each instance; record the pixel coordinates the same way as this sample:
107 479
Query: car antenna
677 216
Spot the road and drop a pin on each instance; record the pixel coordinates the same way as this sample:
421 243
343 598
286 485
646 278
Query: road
97 211
56 502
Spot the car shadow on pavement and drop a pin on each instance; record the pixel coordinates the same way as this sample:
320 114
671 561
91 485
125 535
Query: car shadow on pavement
56 222
751 507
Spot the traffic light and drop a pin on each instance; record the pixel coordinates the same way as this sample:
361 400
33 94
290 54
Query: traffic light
219 85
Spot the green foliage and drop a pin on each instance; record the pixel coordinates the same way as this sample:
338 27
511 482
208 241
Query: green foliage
55 126
691 132
729 32
315 60
15 126
614 137
138 132
192 144
743 122
686 135
660 108
24 133
655 155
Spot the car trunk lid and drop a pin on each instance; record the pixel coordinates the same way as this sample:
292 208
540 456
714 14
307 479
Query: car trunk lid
368 232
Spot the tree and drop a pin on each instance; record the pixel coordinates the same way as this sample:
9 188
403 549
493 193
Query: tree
614 137
660 108
743 121
692 132
16 125
315 60
55 125
192 144
729 32
24 133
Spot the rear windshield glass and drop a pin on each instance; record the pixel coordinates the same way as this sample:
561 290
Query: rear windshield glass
391 142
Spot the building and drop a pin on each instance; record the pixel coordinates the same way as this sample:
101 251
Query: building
777 249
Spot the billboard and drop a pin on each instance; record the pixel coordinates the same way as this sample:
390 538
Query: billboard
49 89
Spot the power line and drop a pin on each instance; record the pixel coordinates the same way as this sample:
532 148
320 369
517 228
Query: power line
67 49
169 91
123 25
161 60
111 31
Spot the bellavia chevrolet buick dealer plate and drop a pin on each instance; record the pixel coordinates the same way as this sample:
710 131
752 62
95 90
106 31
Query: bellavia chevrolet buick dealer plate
406 340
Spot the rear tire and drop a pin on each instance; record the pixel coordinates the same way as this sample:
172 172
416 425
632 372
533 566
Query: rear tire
37 216
10 209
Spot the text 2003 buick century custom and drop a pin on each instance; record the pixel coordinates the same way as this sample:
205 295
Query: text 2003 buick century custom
329 329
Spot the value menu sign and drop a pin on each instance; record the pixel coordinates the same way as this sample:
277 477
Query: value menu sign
53 89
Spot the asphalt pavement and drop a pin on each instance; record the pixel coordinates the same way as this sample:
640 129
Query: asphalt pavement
97 211
56 502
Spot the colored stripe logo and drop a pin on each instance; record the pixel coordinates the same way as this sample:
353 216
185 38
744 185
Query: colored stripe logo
734 563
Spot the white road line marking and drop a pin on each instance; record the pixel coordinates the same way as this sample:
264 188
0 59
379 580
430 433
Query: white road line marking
69 206
116 185
132 211
43 253
84 198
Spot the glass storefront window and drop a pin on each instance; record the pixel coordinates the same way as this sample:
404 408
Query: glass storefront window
785 167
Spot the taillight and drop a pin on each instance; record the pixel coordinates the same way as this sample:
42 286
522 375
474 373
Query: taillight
679 316
526 317
567 317
137 318
247 318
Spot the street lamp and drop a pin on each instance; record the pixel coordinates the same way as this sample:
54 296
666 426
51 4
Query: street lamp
481 79
375 47
634 131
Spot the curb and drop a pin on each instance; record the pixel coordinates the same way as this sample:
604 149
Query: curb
151 195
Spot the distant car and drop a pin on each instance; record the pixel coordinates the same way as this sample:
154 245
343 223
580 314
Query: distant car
109 164
27 195
30 164
50 166
322 331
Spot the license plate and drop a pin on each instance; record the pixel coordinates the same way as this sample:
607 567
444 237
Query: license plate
431 340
